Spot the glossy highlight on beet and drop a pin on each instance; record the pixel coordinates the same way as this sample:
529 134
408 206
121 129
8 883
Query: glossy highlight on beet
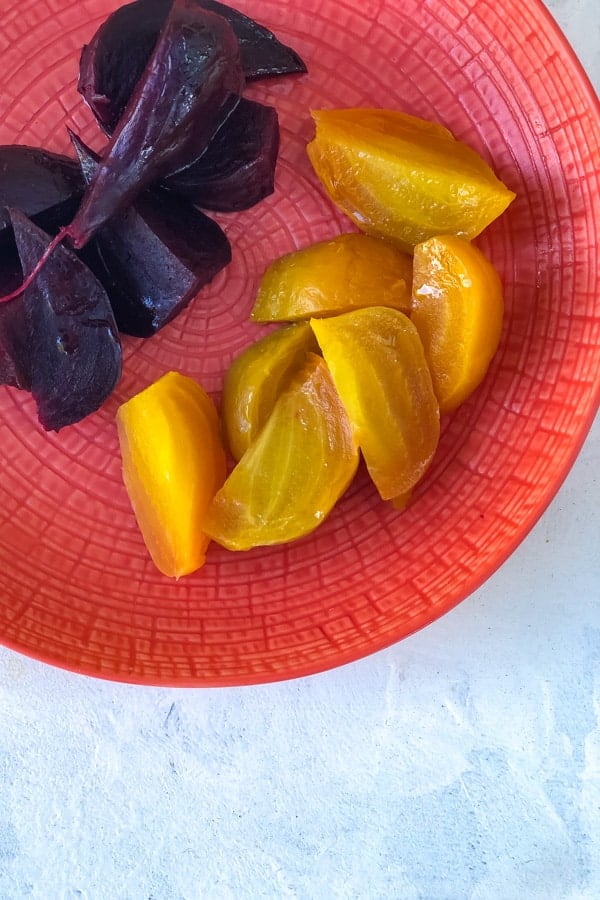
72 339
263 55
190 84
153 257
114 60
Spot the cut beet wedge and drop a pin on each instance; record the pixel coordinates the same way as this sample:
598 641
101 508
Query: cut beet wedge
153 257
46 186
74 347
11 274
114 60
237 169
15 361
189 86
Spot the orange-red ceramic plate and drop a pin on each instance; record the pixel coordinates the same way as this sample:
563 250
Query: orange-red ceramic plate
76 586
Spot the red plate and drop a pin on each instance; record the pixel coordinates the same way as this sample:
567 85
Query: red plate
76 586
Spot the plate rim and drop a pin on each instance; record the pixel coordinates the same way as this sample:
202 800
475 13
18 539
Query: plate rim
343 658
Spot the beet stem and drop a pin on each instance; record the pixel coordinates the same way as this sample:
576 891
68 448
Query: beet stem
54 243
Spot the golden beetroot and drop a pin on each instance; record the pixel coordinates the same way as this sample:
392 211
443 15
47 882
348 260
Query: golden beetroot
458 310
291 476
380 372
173 464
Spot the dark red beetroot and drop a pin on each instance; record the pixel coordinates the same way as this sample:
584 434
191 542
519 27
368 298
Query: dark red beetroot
153 257
46 186
72 339
114 60
237 168
15 363
191 83
263 55
11 274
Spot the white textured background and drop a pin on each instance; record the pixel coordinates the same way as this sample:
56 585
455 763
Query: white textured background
461 763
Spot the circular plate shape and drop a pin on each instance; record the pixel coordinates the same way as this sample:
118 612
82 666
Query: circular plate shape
77 588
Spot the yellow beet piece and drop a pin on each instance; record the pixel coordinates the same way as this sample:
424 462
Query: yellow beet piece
257 377
403 178
330 277
291 476
379 369
458 310
173 464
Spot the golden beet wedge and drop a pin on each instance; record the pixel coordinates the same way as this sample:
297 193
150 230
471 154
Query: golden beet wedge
458 310
257 377
330 277
403 178
379 369
290 477
173 465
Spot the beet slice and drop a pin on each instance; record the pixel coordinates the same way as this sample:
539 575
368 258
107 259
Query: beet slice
11 274
190 85
15 362
73 343
263 55
153 257
237 168
46 186
114 60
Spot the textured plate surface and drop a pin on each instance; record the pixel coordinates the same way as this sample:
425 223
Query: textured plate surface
76 586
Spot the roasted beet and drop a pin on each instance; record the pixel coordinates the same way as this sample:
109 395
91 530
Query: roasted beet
237 169
72 338
153 257
114 60
190 84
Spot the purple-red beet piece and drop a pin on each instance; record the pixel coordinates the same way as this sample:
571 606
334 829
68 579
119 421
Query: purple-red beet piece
46 186
15 363
74 347
114 60
237 168
189 86
11 274
154 256
263 55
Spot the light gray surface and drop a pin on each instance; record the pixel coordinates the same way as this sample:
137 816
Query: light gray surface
462 763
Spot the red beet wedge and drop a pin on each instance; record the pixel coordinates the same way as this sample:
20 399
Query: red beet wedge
114 60
73 347
46 186
237 169
15 361
191 83
154 256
